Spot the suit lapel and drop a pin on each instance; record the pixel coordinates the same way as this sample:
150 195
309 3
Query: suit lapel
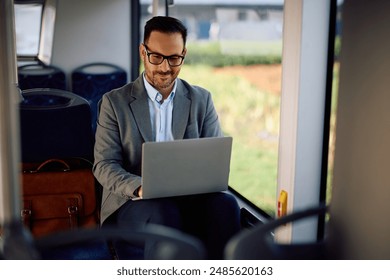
181 111
140 108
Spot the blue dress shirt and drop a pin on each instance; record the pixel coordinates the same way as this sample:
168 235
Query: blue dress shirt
160 113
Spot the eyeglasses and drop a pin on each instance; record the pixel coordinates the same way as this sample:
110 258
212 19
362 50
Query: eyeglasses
157 59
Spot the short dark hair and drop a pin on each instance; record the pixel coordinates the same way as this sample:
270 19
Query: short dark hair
165 25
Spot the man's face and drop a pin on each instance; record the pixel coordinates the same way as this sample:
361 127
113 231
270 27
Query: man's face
162 76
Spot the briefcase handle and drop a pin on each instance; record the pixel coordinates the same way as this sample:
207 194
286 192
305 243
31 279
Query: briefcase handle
50 162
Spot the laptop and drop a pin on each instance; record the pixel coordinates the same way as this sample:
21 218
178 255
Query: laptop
185 167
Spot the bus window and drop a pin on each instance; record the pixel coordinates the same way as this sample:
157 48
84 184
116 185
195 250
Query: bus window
28 27
234 50
34 24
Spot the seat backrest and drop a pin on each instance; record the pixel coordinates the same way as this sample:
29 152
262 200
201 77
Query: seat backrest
92 80
257 243
41 76
55 124
170 244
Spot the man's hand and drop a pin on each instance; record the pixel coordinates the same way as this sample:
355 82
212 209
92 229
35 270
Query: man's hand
139 191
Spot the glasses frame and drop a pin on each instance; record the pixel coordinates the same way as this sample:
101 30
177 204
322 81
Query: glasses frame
164 57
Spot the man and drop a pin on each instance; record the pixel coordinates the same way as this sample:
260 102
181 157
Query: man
158 106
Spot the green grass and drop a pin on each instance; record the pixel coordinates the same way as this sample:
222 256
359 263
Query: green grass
225 53
251 116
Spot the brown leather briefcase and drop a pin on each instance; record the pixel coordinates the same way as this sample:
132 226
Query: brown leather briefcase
58 195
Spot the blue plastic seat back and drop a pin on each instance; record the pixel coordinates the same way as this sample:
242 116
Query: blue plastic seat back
41 76
91 81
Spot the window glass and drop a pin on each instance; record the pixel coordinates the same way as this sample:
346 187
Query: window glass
28 26
234 51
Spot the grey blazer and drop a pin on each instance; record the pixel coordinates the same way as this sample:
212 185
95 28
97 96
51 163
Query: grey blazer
124 124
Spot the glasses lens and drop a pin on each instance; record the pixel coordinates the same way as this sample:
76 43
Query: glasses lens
156 59
175 60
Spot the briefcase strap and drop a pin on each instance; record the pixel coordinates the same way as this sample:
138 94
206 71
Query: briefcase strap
26 214
73 210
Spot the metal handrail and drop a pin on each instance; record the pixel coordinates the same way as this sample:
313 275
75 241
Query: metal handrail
13 233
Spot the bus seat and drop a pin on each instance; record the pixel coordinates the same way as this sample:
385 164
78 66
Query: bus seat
41 76
93 243
258 243
54 124
92 80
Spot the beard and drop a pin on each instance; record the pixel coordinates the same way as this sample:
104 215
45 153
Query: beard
163 80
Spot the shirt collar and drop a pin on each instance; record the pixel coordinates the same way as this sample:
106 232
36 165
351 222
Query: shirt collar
152 92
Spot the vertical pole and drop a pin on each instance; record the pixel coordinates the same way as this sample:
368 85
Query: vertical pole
15 241
135 38
155 7
9 118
